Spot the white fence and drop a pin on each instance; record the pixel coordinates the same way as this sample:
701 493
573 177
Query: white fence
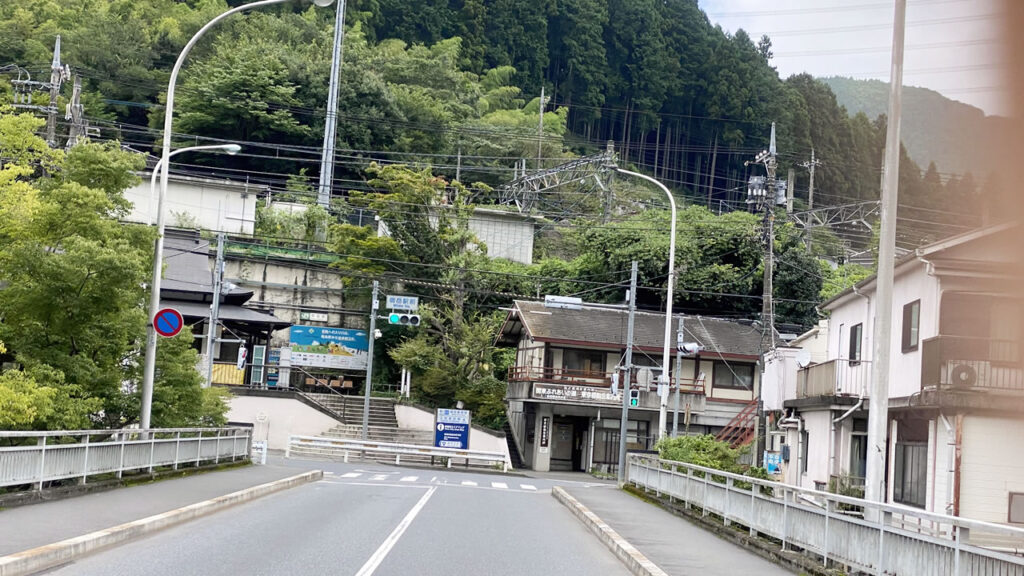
843 531
39 457
342 448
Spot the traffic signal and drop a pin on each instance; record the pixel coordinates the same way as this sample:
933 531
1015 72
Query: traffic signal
634 398
404 319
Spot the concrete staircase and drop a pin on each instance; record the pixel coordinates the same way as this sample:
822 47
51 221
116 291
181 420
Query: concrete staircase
349 409
383 428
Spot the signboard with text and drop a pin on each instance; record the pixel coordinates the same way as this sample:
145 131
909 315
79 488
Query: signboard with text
581 394
451 428
407 303
323 347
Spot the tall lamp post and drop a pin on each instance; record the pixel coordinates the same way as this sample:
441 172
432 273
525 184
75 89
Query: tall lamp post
666 357
158 263
164 162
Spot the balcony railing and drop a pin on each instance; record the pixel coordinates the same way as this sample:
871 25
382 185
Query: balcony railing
839 377
591 378
964 363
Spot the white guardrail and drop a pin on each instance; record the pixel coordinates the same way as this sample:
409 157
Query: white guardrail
39 457
843 531
343 447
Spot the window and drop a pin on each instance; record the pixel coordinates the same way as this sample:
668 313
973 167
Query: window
856 334
910 473
911 325
1016 513
583 361
733 375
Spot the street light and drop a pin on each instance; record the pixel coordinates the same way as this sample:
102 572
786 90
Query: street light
663 409
149 370
164 163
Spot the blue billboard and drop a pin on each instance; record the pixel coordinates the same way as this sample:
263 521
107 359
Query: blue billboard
323 347
451 428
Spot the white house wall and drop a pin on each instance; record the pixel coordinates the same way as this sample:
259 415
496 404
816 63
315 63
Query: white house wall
818 427
508 237
912 283
209 204
990 466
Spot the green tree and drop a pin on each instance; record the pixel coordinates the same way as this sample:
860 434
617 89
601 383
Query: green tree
73 304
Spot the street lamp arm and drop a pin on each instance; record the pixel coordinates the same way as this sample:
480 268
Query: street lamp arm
666 357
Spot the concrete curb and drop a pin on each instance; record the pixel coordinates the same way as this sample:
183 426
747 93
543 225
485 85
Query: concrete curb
637 563
51 555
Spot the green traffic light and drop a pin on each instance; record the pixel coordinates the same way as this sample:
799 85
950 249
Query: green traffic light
395 318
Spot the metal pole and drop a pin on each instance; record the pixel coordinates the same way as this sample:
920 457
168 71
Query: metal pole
211 333
878 410
56 76
629 371
680 337
323 197
540 127
369 360
666 357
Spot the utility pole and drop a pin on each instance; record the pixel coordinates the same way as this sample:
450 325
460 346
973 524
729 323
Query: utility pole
762 193
540 127
680 340
75 113
623 422
458 165
211 335
811 165
57 75
878 407
323 196
370 337
790 184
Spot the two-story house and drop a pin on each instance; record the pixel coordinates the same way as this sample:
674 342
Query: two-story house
564 411
955 384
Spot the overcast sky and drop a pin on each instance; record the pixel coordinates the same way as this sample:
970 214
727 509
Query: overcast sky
950 44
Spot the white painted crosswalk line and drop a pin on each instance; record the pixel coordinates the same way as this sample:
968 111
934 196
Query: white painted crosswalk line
527 486
468 483
409 478
499 485
379 477
351 475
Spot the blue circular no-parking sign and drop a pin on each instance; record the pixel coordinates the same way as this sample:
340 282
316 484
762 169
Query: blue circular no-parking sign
168 322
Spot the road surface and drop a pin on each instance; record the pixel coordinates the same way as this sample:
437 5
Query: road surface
365 519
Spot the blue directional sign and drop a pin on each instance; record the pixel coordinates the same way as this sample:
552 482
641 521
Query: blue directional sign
451 428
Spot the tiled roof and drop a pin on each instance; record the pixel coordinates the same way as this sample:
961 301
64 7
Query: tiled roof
600 326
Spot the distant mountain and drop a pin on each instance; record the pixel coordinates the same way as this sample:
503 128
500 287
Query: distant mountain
956 136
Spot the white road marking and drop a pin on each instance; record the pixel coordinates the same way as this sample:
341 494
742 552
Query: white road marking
499 485
468 483
351 475
379 477
527 486
389 543
409 478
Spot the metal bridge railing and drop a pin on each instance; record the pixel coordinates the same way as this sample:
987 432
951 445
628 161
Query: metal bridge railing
343 448
842 531
34 458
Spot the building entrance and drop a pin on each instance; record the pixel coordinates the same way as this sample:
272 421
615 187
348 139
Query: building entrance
569 442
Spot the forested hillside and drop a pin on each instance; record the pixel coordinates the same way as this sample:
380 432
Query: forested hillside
954 135
678 96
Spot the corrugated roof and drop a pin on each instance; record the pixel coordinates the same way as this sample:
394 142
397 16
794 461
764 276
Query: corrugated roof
598 326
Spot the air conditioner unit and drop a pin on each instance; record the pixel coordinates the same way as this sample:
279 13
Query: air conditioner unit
966 373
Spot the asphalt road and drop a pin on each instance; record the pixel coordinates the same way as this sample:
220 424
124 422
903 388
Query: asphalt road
365 519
